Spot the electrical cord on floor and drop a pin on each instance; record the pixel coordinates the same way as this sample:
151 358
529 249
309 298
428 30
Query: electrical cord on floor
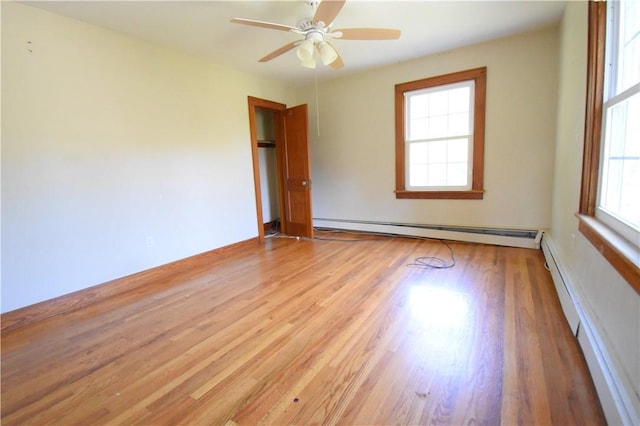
426 262
433 262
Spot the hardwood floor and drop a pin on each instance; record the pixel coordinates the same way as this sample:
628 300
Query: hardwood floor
309 332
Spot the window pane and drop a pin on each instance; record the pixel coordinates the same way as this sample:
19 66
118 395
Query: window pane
632 136
439 114
629 53
437 174
418 106
438 103
418 175
418 129
629 193
458 150
418 153
458 124
612 186
437 127
620 180
439 163
457 174
616 129
459 100
438 152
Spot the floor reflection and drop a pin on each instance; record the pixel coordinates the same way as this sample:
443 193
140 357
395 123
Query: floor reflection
439 341
438 307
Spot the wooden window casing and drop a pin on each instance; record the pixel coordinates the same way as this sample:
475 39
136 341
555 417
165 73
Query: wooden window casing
477 190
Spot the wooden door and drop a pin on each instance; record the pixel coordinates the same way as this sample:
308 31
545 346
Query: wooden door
296 172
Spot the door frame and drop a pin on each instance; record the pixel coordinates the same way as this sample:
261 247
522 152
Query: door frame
278 116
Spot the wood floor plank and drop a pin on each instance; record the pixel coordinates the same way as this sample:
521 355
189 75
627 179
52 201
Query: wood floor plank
338 330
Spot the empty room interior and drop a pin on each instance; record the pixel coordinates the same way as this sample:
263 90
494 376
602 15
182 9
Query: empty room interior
420 212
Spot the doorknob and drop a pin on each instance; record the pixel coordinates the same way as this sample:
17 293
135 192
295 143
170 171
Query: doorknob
306 183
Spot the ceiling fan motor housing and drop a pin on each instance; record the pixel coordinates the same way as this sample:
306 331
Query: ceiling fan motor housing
308 24
316 36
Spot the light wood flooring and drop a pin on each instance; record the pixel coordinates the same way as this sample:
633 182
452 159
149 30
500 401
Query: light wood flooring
312 332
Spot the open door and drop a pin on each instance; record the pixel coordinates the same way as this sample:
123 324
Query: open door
297 176
292 151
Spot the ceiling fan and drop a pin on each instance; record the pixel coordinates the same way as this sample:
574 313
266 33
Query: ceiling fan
317 31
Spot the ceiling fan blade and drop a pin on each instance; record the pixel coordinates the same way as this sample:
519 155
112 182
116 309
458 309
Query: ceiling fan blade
278 52
338 63
261 24
327 11
367 34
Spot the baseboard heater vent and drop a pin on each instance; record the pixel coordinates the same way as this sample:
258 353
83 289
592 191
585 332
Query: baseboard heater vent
497 236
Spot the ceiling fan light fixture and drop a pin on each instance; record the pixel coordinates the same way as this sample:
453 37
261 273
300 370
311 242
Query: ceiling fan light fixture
309 63
327 53
305 50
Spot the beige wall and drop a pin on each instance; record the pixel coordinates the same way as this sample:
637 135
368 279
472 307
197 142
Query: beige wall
117 155
353 159
610 307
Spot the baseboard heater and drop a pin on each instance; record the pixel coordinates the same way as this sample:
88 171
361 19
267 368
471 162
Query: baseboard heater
618 400
498 236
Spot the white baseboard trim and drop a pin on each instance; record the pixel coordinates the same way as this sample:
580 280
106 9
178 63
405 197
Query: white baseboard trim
614 393
501 237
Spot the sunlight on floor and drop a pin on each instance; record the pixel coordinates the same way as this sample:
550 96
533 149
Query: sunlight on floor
438 307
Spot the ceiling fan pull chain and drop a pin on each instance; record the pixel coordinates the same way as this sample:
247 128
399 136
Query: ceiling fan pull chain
315 71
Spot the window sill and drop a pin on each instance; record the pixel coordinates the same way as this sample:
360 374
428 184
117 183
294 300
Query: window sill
620 253
440 195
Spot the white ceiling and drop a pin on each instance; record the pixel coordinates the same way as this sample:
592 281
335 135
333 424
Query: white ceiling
202 28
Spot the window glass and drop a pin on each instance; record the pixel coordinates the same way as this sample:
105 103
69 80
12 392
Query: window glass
438 135
620 187
629 45
619 180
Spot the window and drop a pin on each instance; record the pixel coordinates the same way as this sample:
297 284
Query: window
610 205
619 192
440 136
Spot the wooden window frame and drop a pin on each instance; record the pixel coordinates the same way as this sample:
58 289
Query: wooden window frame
479 75
620 253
